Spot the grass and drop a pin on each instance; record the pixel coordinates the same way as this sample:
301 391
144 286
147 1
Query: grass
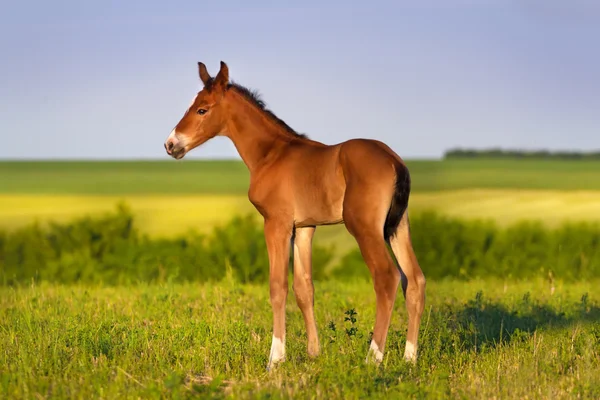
231 177
483 339
124 177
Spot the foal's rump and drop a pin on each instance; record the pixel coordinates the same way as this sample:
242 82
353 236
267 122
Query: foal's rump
377 187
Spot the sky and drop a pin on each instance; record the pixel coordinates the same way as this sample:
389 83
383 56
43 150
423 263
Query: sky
109 79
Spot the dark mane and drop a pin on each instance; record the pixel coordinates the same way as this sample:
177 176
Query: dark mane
254 97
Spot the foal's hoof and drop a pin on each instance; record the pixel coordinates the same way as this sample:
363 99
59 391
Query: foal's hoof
274 362
313 352
374 356
410 360
410 353
277 353
372 360
272 365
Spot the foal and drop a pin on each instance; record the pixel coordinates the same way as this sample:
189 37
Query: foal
297 184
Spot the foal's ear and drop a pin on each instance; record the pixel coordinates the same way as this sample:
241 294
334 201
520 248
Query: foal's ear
204 75
222 78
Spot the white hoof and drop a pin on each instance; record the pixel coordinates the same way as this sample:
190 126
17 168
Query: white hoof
277 353
374 355
410 352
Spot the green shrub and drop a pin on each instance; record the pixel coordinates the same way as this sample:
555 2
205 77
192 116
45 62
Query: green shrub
450 247
459 153
110 250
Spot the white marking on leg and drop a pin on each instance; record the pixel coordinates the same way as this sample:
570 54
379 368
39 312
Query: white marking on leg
374 353
277 351
410 352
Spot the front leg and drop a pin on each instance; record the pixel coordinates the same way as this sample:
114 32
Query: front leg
303 285
278 234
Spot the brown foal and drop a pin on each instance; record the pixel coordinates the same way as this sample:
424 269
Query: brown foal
297 184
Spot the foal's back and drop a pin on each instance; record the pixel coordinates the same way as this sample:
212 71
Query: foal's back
321 181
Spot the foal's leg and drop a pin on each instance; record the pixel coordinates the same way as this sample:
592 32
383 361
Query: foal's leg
365 210
303 285
413 287
277 236
386 278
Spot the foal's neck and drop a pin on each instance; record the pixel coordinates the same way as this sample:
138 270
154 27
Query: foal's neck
256 137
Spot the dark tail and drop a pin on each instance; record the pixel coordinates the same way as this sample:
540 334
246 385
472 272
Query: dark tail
399 202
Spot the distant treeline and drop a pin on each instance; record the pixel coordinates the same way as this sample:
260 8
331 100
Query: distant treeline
110 250
526 154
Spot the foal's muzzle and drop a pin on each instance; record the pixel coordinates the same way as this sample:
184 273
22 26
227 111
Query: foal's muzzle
174 147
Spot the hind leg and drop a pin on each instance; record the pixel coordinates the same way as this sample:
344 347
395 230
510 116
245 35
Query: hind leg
386 279
370 186
413 285
386 276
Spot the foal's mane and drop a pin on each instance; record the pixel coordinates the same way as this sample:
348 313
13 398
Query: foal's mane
254 97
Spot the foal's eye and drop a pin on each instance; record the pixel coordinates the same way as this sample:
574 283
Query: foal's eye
202 111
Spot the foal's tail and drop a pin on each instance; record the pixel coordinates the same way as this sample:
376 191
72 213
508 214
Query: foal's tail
399 202
397 234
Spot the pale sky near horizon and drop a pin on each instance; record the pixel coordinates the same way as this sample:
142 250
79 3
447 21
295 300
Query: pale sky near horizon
109 79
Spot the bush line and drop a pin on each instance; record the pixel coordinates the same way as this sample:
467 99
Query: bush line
110 250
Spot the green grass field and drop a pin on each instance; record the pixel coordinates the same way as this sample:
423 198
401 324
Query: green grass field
490 339
513 340
231 177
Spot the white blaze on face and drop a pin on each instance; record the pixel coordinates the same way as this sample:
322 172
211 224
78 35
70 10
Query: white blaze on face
173 138
410 352
277 350
374 353
189 107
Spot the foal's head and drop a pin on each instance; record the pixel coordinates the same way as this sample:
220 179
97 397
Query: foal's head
205 117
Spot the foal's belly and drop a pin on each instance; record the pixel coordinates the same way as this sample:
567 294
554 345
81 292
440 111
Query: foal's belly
318 221
323 212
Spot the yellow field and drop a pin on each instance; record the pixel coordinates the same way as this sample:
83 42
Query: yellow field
509 206
162 215
156 215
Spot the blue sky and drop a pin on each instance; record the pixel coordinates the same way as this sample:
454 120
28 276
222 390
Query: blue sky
104 80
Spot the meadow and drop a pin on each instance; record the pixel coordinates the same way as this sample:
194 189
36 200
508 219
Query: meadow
123 177
231 177
479 340
118 314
